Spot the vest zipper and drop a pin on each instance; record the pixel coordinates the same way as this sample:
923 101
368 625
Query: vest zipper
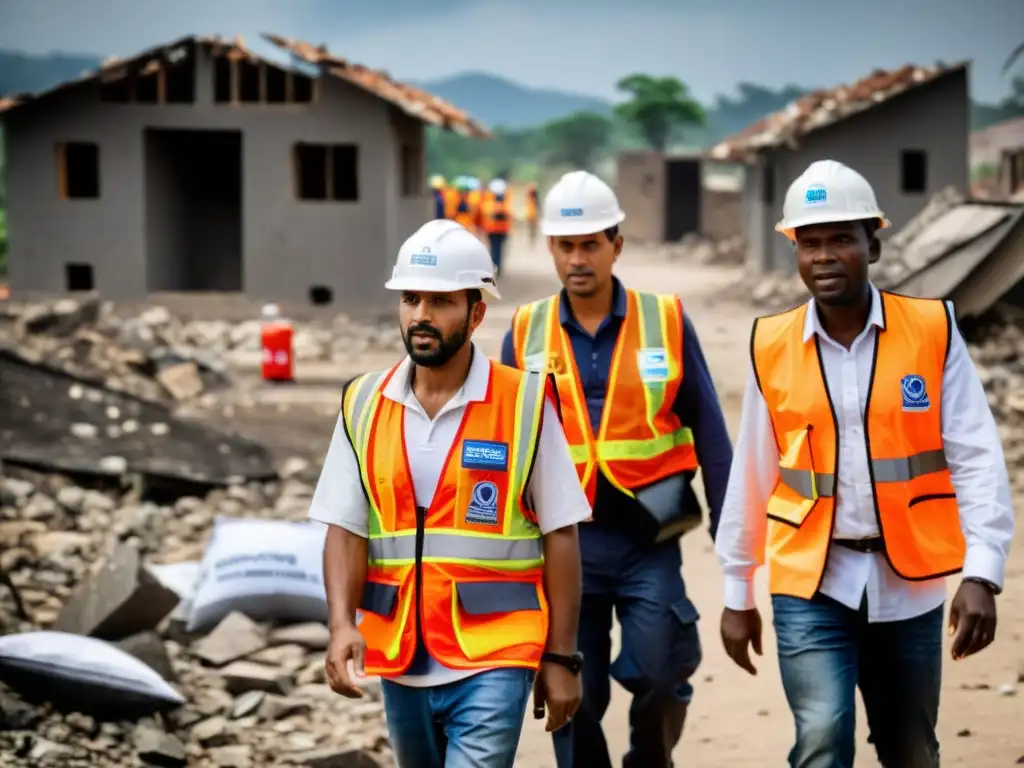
421 523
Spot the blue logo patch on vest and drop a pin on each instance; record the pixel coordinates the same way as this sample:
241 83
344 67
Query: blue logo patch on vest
485 454
816 195
483 505
653 364
915 393
572 212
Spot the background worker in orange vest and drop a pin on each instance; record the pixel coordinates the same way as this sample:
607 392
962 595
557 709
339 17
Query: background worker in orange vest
496 219
452 507
869 464
466 203
641 414
530 212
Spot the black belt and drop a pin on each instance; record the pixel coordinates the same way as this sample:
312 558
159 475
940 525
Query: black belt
872 545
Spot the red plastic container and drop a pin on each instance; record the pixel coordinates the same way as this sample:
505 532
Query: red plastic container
278 359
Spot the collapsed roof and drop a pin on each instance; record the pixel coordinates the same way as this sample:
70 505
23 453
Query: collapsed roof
825 107
413 101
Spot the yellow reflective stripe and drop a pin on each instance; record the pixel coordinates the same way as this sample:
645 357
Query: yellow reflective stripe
470 548
537 330
395 646
529 407
652 336
635 450
361 405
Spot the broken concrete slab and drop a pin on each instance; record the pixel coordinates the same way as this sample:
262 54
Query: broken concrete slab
41 403
237 756
181 380
243 676
155 747
235 637
280 707
148 647
247 704
121 599
213 732
311 635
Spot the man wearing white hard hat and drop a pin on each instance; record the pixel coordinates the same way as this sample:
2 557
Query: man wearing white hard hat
641 416
496 219
869 467
448 493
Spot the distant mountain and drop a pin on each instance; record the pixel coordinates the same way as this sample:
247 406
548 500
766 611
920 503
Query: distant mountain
22 73
496 101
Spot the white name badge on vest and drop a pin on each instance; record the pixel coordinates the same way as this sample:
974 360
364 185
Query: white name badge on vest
653 364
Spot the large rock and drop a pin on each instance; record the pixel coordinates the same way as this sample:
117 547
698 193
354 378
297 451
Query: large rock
155 747
243 676
119 600
148 647
235 637
337 757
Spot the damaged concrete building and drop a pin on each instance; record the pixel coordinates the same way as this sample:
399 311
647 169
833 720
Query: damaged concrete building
201 166
906 130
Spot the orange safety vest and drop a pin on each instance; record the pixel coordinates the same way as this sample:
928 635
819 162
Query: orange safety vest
495 218
914 498
466 574
467 208
451 202
640 439
531 203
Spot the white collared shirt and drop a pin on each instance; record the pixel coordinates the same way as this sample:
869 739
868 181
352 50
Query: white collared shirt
973 452
555 491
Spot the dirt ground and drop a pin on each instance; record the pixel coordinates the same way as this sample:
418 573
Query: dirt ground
735 720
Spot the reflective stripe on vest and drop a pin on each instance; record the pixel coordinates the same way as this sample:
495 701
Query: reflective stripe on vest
541 344
915 502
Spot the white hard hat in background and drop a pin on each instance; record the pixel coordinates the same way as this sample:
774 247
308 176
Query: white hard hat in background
497 186
828 191
443 256
580 204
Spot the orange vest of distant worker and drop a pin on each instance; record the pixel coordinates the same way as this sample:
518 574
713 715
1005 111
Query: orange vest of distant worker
466 574
495 217
640 439
914 499
451 202
467 208
531 203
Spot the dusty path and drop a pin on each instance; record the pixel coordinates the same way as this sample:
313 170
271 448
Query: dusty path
735 720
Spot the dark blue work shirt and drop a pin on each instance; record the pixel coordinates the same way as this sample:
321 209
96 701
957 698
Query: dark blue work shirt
696 403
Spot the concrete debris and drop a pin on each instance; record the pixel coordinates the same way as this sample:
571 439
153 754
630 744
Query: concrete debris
255 695
157 356
705 250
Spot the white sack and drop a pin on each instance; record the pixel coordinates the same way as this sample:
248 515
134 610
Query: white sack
270 570
95 669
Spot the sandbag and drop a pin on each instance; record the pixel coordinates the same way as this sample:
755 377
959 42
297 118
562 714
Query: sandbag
82 673
270 570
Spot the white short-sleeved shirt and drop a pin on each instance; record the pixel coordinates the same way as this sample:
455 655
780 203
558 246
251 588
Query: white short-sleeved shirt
554 490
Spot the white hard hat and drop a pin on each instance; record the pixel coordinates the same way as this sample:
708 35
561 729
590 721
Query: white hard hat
580 204
443 256
828 191
497 186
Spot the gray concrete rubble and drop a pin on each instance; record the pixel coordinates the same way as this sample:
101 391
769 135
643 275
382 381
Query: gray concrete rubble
256 693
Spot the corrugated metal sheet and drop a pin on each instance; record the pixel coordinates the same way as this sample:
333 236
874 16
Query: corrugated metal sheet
821 108
411 100
968 255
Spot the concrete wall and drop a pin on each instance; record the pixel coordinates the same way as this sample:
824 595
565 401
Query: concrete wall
288 244
640 187
721 213
934 118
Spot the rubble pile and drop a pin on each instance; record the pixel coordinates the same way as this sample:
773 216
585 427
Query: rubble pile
995 348
75 560
706 250
157 356
775 292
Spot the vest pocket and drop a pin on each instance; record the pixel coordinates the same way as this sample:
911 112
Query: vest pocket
797 491
489 616
380 599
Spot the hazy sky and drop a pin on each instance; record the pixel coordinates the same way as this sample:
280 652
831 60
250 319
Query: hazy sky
577 45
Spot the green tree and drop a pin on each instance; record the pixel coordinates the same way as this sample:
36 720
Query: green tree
657 106
577 139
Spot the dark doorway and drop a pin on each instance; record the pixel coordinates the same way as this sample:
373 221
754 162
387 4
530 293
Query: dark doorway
682 198
194 210
78 277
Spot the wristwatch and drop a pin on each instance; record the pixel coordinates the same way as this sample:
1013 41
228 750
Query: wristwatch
573 663
985 583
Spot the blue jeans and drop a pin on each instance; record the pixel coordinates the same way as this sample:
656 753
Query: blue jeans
660 650
497 248
827 651
471 723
